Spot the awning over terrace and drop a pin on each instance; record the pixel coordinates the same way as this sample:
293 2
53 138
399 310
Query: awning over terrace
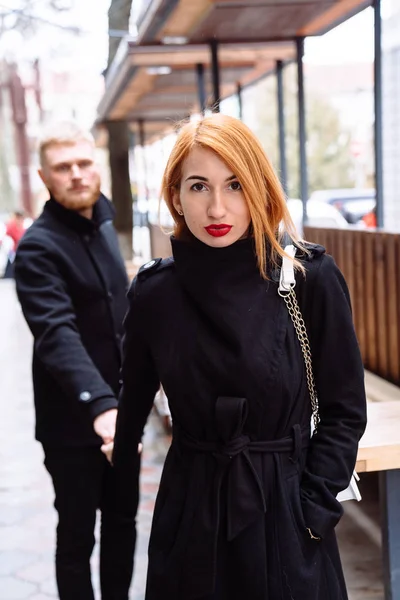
189 54
241 20
159 85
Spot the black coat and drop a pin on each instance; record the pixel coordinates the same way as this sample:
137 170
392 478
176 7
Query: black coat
242 481
71 283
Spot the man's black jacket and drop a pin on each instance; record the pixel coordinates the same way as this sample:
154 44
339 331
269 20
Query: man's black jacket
71 283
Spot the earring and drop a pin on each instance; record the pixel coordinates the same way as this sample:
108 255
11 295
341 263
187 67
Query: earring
180 213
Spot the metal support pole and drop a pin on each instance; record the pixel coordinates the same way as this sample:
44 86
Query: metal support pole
389 489
135 211
215 75
281 124
302 128
378 114
141 132
201 87
240 99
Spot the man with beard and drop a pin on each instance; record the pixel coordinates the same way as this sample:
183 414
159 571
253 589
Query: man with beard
71 283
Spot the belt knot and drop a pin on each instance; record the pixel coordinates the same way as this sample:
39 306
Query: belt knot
232 447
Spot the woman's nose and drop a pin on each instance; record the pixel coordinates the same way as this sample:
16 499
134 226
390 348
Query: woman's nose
216 208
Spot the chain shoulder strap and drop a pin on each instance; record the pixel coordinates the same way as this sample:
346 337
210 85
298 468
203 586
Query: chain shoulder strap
293 307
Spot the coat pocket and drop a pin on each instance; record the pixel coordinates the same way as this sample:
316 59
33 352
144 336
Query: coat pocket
293 502
300 556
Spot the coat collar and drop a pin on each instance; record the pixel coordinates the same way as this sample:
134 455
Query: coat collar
192 254
220 282
102 211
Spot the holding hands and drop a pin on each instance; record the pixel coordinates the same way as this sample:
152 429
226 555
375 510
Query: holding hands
104 426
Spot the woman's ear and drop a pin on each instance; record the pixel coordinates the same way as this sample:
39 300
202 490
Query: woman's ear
176 201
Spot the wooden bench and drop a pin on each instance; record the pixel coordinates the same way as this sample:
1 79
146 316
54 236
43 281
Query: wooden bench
379 451
379 448
380 390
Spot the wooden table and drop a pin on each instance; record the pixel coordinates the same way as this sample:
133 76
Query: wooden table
379 451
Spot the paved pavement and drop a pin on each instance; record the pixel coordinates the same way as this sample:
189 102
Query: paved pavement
27 517
28 520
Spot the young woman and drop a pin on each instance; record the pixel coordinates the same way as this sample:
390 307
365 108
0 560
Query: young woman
247 503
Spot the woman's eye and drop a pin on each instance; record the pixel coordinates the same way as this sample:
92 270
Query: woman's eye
198 187
235 186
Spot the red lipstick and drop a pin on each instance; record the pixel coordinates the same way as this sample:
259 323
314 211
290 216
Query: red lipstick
218 230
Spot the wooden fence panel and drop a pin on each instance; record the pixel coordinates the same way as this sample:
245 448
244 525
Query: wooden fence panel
369 303
357 299
392 286
370 262
381 295
339 250
348 266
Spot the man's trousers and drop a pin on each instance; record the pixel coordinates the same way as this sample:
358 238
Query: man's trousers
83 482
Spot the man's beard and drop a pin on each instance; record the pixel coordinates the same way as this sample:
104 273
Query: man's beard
78 203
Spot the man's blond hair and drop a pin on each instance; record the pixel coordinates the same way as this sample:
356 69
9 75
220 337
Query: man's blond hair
62 133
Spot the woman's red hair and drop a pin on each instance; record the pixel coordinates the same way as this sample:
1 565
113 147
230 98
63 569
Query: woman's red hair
241 151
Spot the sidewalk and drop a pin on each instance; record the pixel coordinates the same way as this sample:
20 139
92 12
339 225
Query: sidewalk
28 520
27 517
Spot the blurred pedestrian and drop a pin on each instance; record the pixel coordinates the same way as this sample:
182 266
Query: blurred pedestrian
247 505
370 220
15 227
14 230
71 283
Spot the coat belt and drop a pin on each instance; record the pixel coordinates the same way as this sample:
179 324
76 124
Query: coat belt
245 499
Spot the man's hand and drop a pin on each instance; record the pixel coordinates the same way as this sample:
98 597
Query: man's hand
104 425
107 449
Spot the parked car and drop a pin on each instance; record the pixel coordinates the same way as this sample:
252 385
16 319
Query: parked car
319 214
352 203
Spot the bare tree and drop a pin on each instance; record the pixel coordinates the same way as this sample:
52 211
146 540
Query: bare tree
27 19
118 141
329 159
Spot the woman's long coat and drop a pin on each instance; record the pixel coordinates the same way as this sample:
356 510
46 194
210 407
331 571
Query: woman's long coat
242 481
